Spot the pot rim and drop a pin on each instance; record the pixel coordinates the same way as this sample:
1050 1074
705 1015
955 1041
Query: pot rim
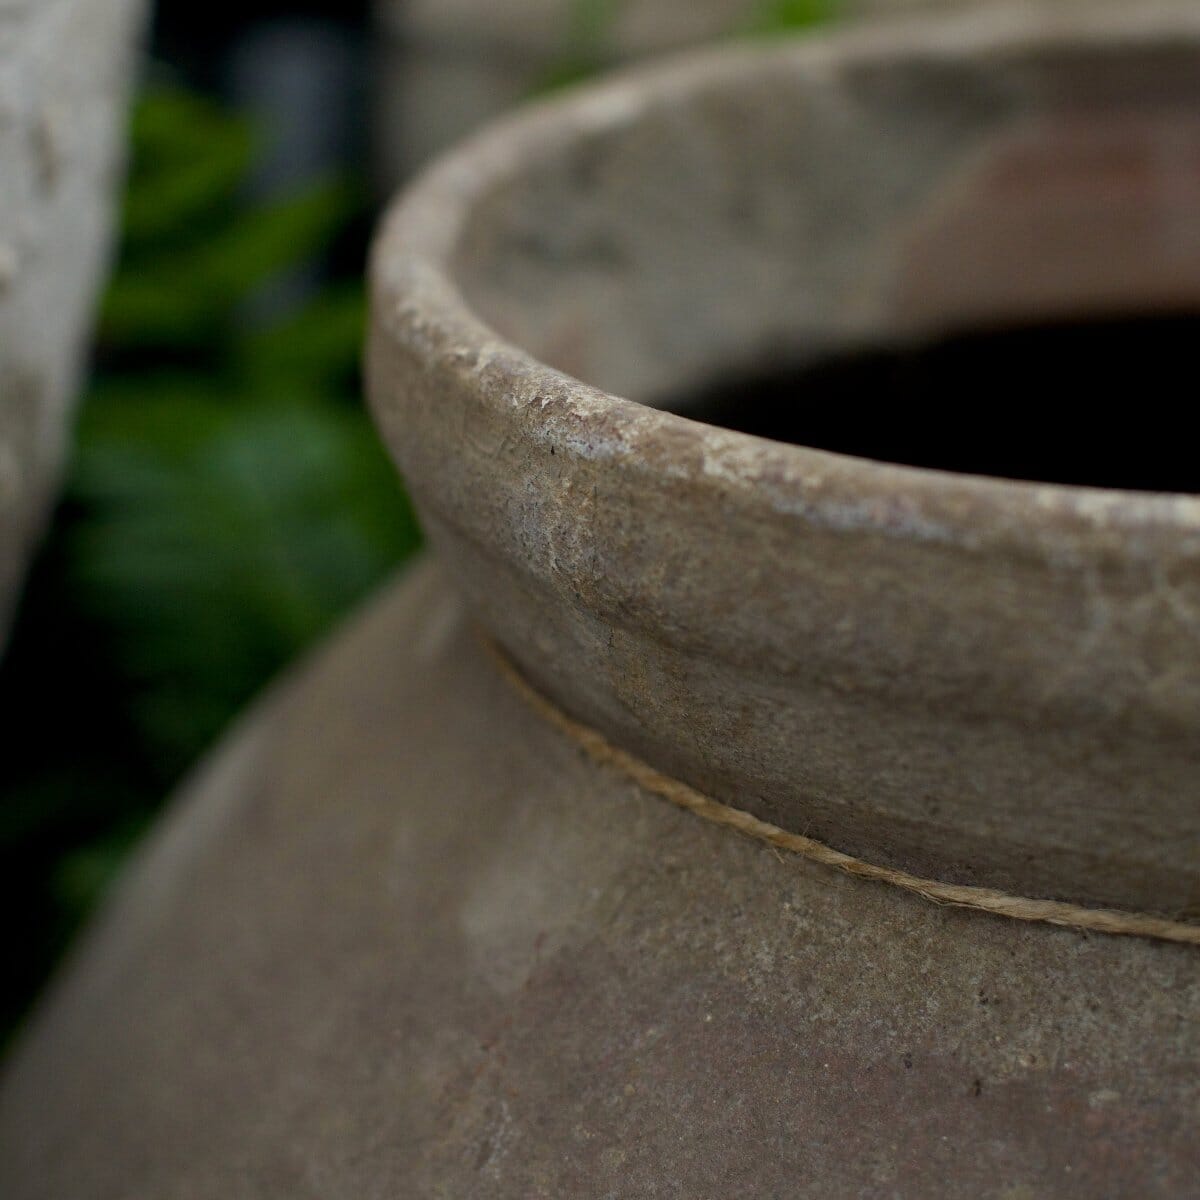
975 680
417 301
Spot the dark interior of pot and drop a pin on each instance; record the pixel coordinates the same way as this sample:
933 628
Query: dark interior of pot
966 258
1102 403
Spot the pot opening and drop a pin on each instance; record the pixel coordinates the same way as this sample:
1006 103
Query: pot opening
764 227
1093 403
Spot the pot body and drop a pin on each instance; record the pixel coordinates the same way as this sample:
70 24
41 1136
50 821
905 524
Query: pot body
401 938
65 70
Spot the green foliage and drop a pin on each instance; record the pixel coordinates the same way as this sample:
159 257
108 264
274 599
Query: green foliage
234 499
589 25
190 159
223 535
229 500
589 33
193 250
774 17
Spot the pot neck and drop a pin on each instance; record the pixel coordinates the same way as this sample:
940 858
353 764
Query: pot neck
969 679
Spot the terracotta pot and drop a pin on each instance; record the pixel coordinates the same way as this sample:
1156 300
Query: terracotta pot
406 937
966 677
444 66
65 69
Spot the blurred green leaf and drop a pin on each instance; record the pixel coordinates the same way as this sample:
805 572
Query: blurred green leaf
313 349
189 295
266 240
222 543
232 498
785 16
233 501
190 158
586 50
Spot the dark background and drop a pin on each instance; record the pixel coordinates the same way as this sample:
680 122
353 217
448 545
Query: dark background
227 500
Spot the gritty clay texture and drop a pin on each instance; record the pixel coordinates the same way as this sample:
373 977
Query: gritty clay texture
65 69
985 681
402 937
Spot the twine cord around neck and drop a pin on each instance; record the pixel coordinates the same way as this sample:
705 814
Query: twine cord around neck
1020 908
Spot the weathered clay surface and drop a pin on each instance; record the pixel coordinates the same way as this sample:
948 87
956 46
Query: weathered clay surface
983 681
402 939
64 74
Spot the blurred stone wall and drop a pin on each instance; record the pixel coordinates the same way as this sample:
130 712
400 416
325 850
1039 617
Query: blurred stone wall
65 68
447 65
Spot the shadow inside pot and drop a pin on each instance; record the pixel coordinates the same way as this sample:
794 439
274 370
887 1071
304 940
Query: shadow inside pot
1093 403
